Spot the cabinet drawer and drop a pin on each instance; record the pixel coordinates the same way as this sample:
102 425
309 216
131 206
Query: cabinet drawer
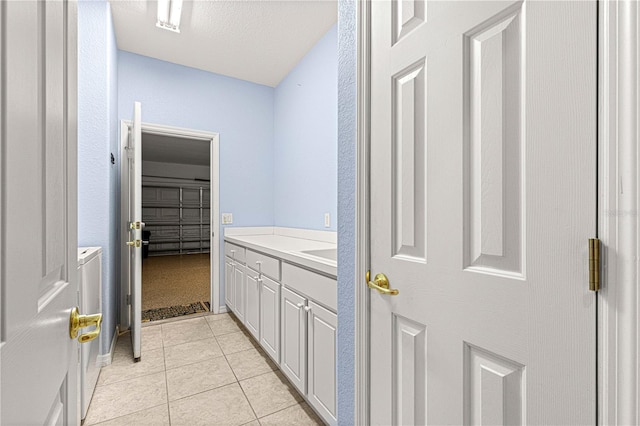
315 286
268 265
235 252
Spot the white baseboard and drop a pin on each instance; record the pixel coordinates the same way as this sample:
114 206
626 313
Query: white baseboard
223 309
105 359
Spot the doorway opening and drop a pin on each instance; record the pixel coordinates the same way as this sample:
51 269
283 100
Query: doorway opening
179 202
176 203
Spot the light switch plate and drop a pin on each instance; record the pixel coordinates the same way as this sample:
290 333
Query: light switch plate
227 218
327 220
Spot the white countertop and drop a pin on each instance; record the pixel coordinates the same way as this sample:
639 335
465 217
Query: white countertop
289 248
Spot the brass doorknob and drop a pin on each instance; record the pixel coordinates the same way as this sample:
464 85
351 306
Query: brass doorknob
77 321
381 283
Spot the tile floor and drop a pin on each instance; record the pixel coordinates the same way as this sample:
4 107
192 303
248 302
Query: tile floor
197 371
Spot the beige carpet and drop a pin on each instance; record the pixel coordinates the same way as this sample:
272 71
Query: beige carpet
175 280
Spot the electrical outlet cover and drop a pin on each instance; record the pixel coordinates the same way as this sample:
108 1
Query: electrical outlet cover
227 218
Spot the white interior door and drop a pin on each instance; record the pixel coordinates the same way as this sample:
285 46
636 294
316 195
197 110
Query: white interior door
135 224
38 209
483 159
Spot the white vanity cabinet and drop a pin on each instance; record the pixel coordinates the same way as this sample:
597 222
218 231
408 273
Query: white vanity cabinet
293 322
228 283
252 293
234 279
262 317
321 356
309 334
290 310
270 317
238 291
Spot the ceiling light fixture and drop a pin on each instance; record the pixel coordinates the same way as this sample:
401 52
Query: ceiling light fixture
169 12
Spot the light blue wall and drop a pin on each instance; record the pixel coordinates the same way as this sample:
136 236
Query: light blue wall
347 99
241 112
97 138
306 130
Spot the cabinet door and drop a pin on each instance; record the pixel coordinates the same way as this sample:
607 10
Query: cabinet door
322 361
294 338
228 283
238 286
270 318
252 293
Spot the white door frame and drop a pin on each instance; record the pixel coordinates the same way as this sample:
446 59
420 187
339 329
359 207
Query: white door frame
214 170
618 213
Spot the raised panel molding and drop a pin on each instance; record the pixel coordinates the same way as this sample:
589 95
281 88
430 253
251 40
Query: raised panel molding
409 161
407 16
494 138
409 372
494 388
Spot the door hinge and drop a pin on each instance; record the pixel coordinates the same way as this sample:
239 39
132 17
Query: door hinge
594 264
128 299
130 152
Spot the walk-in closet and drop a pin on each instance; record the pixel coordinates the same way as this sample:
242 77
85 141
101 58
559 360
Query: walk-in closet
176 196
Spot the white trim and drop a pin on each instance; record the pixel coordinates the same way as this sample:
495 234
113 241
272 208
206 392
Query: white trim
214 167
223 309
105 359
363 236
618 162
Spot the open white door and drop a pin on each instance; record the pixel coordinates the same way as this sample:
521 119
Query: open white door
38 357
483 178
135 225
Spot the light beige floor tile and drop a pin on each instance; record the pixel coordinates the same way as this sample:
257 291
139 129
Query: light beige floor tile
221 406
189 353
234 342
224 326
156 416
151 337
250 363
298 415
217 317
179 332
199 377
269 393
126 397
124 368
252 423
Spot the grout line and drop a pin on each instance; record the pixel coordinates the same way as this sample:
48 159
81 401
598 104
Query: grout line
123 415
204 391
282 409
237 381
130 378
166 380
195 362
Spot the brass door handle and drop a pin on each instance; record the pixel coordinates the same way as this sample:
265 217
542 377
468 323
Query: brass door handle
77 321
381 283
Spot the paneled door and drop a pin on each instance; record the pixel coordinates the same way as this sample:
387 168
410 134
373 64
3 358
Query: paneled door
483 159
38 213
135 225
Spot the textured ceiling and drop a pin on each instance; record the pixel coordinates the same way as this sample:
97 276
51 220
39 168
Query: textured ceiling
258 41
168 149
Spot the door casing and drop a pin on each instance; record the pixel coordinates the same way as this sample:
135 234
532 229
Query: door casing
214 141
617 211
